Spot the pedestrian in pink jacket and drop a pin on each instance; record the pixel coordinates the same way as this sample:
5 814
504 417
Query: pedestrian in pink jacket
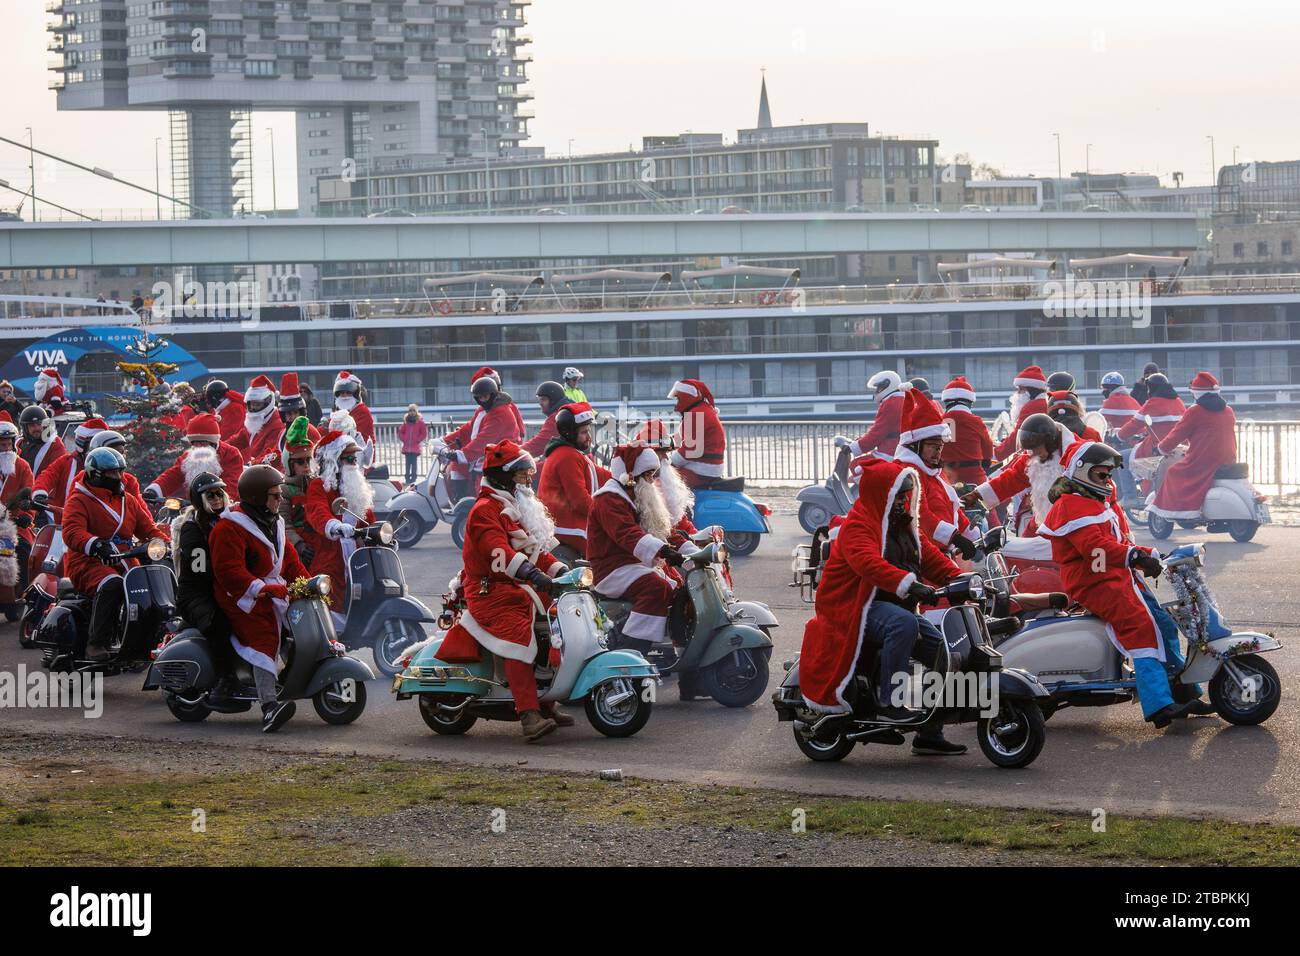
412 433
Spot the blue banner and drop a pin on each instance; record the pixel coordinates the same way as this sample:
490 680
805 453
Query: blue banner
62 350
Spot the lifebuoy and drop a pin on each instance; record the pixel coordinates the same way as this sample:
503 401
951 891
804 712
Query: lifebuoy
444 307
767 298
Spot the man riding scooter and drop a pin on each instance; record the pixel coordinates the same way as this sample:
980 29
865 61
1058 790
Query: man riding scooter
492 422
39 445
703 441
881 439
1118 407
571 477
550 399
1099 569
1210 429
867 599
1033 469
970 452
16 496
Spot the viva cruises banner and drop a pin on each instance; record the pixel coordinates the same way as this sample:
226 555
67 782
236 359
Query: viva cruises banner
61 351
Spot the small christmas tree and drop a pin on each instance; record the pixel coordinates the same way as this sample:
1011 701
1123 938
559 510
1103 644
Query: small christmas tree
152 443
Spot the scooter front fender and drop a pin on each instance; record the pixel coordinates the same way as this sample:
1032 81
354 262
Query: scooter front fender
819 495
753 613
1202 666
335 670
1017 684
405 608
732 510
609 665
733 637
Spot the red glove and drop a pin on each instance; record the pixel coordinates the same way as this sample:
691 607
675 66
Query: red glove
273 591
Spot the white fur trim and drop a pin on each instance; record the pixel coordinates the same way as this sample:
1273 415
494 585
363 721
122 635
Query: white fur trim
647 548
957 394
908 580
925 431
1038 383
944 532
988 495
249 598
700 468
508 649
681 388
1030 548
1105 517
572 532
512 569
645 627
255 658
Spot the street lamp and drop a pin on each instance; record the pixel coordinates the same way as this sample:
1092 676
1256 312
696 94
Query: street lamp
275 199
370 170
690 144
31 154
487 169
1087 172
1214 173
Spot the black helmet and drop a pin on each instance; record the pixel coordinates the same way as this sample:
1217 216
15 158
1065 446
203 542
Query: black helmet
553 392
291 407
214 393
31 414
256 483
1060 382
201 485
1158 386
101 461
1039 430
484 390
1097 453
567 424
921 385
504 478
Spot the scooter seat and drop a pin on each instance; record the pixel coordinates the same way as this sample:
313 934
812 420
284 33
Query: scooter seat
1235 470
66 589
726 484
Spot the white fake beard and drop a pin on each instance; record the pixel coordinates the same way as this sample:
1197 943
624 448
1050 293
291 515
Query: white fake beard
345 403
9 565
355 487
200 460
652 510
7 461
256 421
1042 475
677 495
533 516
1019 399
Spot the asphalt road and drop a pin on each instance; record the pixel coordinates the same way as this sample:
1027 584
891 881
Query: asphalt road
1100 758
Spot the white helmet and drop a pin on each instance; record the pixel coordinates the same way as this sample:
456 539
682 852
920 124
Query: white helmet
885 383
572 373
9 430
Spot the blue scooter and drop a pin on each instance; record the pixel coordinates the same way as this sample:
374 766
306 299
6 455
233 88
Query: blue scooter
725 504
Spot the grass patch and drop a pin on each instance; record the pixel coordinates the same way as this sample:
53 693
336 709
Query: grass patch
264 817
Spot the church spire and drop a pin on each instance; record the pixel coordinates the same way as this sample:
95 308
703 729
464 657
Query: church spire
764 110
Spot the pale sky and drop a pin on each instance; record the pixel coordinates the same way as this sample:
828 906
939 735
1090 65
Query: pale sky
1144 82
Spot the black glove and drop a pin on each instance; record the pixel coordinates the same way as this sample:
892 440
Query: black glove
1058 600
672 556
101 550
541 581
964 545
150 496
995 538
446 454
22 521
1148 564
923 593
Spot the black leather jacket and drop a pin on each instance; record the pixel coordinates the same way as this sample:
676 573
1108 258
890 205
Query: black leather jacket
194 598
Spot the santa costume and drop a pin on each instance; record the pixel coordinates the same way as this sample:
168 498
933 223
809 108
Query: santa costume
225 460
44 452
569 480
941 515
702 441
881 439
263 429
57 480
1026 474
331 535
230 413
623 551
855 571
94 514
970 451
358 409
15 475
1118 408
521 431
1023 404
1154 420
677 493
48 387
1209 428
489 425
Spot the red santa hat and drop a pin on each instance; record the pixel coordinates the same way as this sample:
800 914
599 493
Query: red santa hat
346 378
259 389
656 433
332 445
1058 401
635 458
958 390
88 429
204 427
582 412
506 455
48 385
1203 383
692 388
6 417
485 372
289 383
1031 377
921 420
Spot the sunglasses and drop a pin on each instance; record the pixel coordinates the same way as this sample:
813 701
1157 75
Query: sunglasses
301 462
348 460
214 495
277 495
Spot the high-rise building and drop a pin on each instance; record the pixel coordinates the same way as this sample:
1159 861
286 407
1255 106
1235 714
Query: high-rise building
372 83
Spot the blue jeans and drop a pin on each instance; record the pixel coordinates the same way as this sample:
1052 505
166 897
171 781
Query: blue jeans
1153 679
1125 483
899 635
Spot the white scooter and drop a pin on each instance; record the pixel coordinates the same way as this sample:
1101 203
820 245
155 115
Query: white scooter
415 511
1232 504
1079 664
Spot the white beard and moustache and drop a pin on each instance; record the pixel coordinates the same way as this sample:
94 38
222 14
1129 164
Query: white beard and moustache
355 487
198 461
1042 475
8 459
254 422
677 494
1019 399
534 518
345 403
652 510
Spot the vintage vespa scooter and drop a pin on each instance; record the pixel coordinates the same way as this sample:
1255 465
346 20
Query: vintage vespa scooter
1231 504
414 512
818 504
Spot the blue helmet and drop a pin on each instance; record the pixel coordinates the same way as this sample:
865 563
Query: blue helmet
1113 379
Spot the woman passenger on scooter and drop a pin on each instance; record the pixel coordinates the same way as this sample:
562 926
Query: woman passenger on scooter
194 573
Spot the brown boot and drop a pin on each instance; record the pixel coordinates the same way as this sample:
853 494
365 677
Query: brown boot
553 712
535 726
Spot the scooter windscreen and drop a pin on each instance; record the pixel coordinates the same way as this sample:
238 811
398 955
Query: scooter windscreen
377 571
151 587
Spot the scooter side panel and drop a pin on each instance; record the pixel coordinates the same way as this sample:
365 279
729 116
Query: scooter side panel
184 664
1228 501
414 502
733 638
1201 667
1063 649
734 511
609 665
427 674
404 608
754 613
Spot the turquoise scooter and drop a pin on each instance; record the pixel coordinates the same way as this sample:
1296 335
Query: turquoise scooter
617 687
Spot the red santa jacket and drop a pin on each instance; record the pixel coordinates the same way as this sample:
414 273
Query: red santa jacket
1089 546
172 482
1023 473
92 514
1212 439
703 443
484 428
619 550
942 517
536 446
264 447
569 480
43 455
499 605
854 572
1035 406
12 486
882 436
1118 409
230 413
1164 413
56 481
244 562
970 447
327 535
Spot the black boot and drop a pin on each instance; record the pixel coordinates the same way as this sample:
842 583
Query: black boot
275 715
1166 715
933 744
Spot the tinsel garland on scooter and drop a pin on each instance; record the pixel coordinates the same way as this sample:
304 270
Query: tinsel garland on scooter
1192 612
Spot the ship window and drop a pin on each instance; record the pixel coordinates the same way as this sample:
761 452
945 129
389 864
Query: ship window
849 376
601 383
923 332
268 349
789 335
525 341
933 370
856 334
991 373
1128 364
790 378
328 348
1185 363
727 379
591 340
1256 323
1192 324
654 338
989 330
653 381
721 336
1261 367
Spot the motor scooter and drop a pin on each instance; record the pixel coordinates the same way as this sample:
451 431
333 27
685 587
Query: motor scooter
149 613
1081 666
718 653
381 614
818 504
725 504
754 613
315 666
616 687
1011 737
415 511
1231 504
44 569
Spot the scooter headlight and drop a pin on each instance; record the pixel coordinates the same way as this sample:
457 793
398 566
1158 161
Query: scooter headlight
585 578
172 504
157 549
321 584
385 533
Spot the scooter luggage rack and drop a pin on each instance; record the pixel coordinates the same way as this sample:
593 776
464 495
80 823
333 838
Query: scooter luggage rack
803 573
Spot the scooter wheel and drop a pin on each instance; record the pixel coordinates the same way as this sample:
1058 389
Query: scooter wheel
742 544
1242 531
185 711
740 678
619 707
1015 737
813 516
333 707
458 530
823 751
1227 697
1159 527
409 528
440 723
27 629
